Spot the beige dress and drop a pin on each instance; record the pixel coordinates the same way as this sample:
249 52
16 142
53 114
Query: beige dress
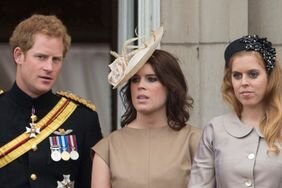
149 158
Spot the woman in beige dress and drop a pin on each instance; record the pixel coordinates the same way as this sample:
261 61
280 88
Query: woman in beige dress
155 146
243 148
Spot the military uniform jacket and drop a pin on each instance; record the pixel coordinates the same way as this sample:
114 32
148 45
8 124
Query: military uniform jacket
232 154
36 169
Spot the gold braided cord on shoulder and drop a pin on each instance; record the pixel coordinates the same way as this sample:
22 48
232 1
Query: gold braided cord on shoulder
1 91
51 122
78 99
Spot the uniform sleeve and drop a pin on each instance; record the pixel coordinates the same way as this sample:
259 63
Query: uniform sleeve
203 174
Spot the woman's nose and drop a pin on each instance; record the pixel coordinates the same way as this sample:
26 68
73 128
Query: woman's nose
141 84
245 80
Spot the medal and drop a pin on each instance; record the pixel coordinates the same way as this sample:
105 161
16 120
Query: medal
74 155
55 149
56 156
63 147
72 142
33 130
65 156
66 182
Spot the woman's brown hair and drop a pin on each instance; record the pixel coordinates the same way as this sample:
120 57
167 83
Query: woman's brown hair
179 102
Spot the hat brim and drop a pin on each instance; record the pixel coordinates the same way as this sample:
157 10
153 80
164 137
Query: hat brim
141 57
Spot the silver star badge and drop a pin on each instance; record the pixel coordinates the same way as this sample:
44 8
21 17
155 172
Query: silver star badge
66 183
32 131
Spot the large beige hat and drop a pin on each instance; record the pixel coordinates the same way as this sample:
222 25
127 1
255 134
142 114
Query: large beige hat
127 64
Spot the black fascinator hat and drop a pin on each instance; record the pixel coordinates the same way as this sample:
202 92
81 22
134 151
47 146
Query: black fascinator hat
252 43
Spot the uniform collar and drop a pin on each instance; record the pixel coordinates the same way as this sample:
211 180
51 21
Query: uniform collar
235 127
22 99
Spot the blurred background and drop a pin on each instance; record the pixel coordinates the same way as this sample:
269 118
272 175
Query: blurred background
196 31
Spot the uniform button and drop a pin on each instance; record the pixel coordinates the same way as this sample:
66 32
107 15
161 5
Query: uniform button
33 177
251 156
34 147
248 183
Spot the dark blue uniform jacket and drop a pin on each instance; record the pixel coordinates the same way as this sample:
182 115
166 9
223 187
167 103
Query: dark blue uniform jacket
36 169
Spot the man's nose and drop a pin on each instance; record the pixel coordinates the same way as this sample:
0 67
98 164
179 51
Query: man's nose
48 65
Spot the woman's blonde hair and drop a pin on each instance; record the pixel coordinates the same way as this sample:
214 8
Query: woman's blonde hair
271 124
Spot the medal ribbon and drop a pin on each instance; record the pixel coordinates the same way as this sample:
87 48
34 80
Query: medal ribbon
54 145
73 147
63 143
72 142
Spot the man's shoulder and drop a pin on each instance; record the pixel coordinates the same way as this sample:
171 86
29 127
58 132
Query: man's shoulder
77 99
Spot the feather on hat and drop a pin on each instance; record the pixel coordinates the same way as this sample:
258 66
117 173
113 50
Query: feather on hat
127 64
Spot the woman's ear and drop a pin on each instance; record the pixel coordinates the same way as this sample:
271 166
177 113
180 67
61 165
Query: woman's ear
18 55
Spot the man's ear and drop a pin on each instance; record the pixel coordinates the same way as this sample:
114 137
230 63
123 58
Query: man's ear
18 55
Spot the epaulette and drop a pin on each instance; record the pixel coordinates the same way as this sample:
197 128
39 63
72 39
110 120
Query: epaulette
78 99
1 91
